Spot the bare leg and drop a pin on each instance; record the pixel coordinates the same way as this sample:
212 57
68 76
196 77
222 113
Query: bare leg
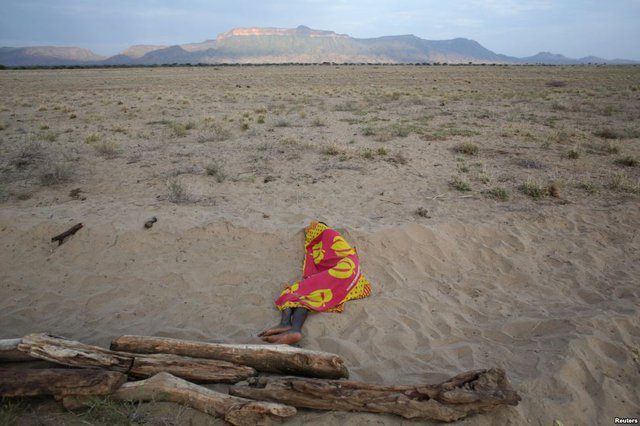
294 335
285 324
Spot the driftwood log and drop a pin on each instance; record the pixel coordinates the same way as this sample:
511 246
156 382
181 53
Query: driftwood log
235 410
283 359
60 237
76 354
9 351
472 392
59 382
166 387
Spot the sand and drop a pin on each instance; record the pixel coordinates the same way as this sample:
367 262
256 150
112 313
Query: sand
546 288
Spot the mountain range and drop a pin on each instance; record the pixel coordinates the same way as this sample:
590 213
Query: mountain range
284 45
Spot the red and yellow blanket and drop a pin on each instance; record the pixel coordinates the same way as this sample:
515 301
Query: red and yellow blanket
331 274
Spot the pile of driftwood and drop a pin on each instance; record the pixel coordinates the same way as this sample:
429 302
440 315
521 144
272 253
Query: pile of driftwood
172 367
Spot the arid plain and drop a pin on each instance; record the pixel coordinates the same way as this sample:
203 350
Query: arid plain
496 211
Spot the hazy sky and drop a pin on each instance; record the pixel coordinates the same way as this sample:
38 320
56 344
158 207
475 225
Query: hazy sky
575 28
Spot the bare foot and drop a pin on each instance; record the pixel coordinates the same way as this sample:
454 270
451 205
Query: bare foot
275 330
287 338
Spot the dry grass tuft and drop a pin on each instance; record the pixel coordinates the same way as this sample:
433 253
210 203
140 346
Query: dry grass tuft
498 193
92 138
333 149
608 134
422 212
318 122
627 161
10 409
460 184
368 153
55 174
48 136
532 189
107 149
466 148
553 189
213 132
385 134
398 158
346 106
531 164
621 182
180 129
588 186
104 411
282 123
178 192
573 154
30 153
609 147
216 170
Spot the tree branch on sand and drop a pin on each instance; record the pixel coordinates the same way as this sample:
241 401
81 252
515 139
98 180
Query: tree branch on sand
76 354
281 359
471 392
166 387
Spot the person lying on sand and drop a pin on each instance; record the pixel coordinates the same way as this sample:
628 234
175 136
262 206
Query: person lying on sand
331 276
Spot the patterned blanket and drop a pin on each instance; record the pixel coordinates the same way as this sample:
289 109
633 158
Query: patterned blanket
331 274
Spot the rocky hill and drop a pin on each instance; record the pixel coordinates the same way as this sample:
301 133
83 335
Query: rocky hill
287 45
47 55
